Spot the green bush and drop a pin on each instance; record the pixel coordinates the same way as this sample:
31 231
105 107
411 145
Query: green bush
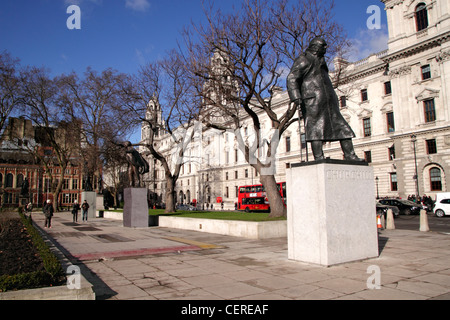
52 276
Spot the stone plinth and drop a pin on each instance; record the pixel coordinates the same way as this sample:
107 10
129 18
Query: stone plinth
331 212
135 211
99 202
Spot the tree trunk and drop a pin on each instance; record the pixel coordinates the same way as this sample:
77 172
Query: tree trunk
277 208
170 196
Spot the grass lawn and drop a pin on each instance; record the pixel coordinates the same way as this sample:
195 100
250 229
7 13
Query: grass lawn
221 215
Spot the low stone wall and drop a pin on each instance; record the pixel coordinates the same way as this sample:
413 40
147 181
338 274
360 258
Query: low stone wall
52 293
111 215
245 229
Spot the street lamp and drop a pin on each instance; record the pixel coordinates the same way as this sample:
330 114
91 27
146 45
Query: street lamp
416 177
376 181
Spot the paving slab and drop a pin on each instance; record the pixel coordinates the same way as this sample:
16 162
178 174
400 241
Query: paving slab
173 264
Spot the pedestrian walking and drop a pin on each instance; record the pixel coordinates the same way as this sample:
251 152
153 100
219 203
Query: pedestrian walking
48 213
85 208
75 209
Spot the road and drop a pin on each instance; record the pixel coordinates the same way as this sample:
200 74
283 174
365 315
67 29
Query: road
412 222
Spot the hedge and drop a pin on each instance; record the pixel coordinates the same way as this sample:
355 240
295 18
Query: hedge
53 274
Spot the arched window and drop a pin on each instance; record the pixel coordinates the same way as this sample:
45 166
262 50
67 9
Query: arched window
9 180
181 197
188 196
421 16
435 179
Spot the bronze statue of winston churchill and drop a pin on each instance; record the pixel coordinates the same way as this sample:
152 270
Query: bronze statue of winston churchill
310 88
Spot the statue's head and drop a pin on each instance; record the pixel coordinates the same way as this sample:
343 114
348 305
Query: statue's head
318 46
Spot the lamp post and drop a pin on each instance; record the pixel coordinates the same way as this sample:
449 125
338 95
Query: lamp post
416 177
376 181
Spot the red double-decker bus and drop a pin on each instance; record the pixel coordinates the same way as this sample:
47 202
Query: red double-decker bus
254 198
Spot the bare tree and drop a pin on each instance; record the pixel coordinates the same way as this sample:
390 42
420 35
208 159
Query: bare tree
55 142
163 100
94 101
239 58
9 87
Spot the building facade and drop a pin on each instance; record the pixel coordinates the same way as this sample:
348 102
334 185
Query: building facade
18 163
396 101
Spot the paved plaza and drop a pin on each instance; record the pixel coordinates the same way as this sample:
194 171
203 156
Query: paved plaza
167 264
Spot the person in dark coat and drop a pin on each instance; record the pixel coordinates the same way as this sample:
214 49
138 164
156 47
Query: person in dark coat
85 208
75 209
48 213
310 88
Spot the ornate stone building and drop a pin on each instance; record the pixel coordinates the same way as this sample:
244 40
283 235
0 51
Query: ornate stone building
18 163
396 101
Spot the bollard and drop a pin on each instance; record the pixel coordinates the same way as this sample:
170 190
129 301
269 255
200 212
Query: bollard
390 225
424 221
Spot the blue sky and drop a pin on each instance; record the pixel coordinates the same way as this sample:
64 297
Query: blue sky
123 34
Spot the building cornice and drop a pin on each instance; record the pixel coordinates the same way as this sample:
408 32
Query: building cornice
417 48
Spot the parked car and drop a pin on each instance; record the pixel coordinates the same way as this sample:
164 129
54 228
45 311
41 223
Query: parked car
186 207
404 206
442 208
382 209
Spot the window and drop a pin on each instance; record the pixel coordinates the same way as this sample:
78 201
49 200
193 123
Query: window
236 158
387 88
435 179
9 180
391 151
19 180
426 72
8 197
303 140
288 144
368 156
235 174
431 146
226 175
343 101
246 173
394 182
227 192
66 183
364 96
390 122
421 17
429 109
367 127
